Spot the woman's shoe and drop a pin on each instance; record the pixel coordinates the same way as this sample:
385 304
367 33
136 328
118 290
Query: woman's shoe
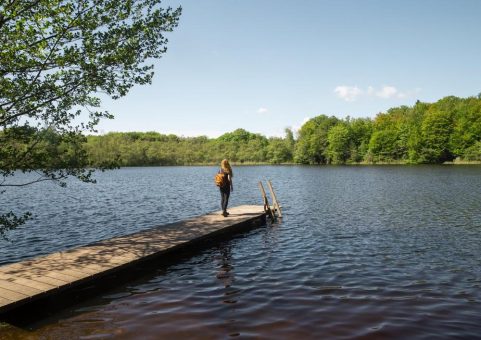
225 213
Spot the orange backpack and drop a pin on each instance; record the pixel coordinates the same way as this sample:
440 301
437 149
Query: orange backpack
219 179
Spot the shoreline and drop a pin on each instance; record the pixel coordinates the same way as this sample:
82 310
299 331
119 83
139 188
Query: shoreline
300 164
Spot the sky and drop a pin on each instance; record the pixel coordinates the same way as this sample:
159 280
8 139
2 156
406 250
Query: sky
265 65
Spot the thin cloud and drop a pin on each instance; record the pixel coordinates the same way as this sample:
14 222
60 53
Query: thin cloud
348 93
352 93
387 92
262 110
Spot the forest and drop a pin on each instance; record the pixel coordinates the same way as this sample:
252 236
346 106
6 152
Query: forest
425 133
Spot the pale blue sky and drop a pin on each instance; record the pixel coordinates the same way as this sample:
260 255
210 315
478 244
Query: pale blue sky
264 65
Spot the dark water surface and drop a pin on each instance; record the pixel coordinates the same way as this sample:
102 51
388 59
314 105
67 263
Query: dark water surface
362 252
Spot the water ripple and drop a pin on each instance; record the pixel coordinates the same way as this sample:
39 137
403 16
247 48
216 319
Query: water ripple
362 252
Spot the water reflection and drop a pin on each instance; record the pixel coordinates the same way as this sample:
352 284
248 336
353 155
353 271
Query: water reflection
225 273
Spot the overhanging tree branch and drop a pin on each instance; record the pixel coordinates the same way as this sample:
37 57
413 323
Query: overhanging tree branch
55 56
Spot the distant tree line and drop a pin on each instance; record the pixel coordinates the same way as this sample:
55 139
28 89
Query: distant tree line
424 133
431 133
152 148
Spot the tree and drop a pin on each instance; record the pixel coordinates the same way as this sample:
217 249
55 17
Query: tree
337 152
436 130
383 146
312 141
278 151
360 131
467 127
290 144
56 56
414 123
389 139
473 153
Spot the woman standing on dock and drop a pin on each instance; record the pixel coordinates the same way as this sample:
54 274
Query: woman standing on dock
226 186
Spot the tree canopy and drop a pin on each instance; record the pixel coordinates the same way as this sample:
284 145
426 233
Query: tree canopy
431 133
154 149
56 57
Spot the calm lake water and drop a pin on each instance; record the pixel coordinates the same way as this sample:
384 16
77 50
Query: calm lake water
364 252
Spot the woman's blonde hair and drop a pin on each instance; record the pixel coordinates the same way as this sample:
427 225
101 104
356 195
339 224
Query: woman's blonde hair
224 165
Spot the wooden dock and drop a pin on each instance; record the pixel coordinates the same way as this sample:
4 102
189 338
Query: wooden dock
27 282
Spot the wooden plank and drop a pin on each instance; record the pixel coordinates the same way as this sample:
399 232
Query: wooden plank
56 270
81 260
74 273
4 302
12 295
19 288
29 283
46 274
59 276
82 271
44 279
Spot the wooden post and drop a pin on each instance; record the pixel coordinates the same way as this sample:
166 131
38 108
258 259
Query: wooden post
267 207
274 198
